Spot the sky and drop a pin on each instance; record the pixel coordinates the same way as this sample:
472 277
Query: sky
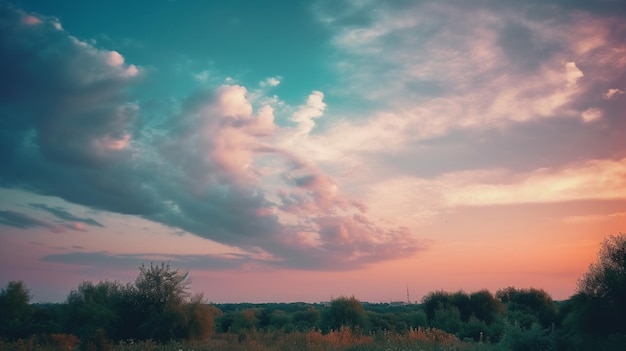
287 151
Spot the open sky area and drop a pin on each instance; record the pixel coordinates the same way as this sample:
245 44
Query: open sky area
299 150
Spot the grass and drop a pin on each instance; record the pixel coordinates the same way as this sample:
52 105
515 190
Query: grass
429 339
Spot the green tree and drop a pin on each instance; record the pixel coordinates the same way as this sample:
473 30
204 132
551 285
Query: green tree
161 286
485 307
436 300
528 306
306 319
448 318
536 338
92 309
158 301
15 310
345 312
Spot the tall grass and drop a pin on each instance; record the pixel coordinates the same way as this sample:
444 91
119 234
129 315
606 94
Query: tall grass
344 339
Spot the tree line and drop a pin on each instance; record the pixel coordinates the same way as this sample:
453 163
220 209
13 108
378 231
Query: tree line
158 307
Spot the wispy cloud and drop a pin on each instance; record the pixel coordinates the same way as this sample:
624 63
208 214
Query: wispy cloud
434 67
589 180
270 82
63 214
23 221
593 218
106 260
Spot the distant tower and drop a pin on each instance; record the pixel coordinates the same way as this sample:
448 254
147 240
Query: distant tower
408 300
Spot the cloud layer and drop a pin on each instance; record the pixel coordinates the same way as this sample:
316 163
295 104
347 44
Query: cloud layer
71 129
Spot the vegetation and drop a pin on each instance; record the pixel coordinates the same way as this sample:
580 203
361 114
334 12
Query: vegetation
157 312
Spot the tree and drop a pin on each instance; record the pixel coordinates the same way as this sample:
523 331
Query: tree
606 278
598 308
436 300
159 302
200 318
485 306
15 310
161 286
93 309
345 312
528 306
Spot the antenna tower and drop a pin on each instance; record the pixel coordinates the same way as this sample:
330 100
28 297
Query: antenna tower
408 300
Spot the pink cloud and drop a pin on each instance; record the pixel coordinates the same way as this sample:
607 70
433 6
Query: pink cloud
30 20
305 115
113 58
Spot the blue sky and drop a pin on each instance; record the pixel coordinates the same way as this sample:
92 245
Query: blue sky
313 145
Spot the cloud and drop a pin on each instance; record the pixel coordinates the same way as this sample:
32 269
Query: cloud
305 115
592 114
215 168
613 92
446 89
63 214
79 116
429 68
592 218
244 191
22 221
600 180
106 260
588 180
65 114
270 82
202 76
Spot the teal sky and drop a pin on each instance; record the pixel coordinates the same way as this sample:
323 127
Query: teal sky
297 150
246 40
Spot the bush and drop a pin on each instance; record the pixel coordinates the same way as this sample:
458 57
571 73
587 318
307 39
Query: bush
535 338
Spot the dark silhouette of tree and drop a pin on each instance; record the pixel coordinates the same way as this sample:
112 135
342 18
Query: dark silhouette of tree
92 309
159 297
158 307
306 319
528 306
595 317
161 286
606 278
434 300
345 312
15 310
485 307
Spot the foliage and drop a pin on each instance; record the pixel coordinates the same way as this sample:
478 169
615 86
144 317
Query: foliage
345 312
485 306
528 306
447 317
92 307
605 286
158 307
594 317
162 287
606 278
200 319
536 338
15 310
